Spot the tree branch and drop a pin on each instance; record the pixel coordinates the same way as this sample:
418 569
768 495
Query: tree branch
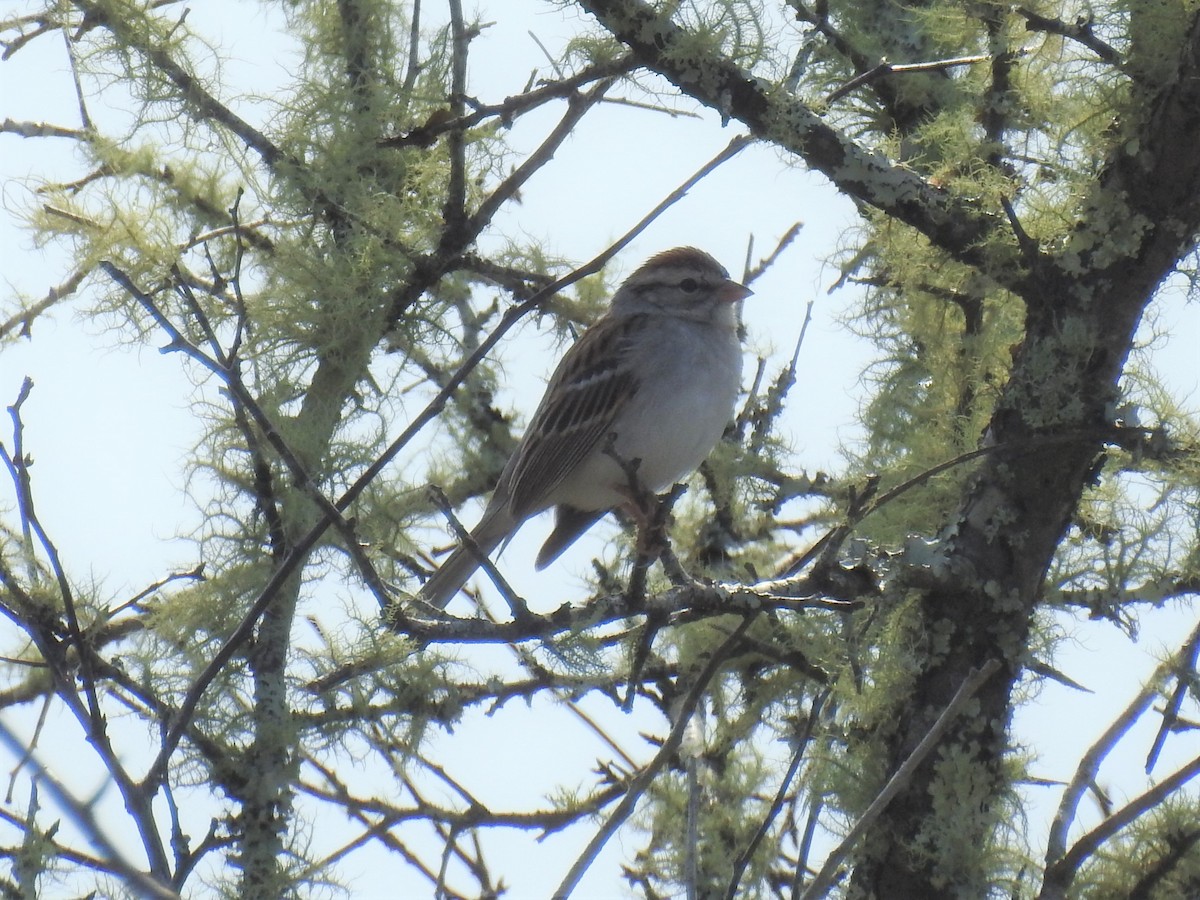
779 117
1079 31
642 781
1089 764
899 780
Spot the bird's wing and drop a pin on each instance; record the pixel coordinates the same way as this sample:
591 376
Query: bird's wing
569 524
591 385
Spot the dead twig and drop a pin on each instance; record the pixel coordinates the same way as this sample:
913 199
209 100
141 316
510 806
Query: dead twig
885 68
824 880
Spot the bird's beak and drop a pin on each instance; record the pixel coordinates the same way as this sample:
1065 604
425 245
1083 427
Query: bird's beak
731 291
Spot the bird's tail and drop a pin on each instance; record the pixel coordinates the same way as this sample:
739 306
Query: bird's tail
460 565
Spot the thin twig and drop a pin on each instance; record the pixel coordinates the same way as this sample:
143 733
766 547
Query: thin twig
753 272
1061 874
83 817
195 574
885 68
25 317
1080 32
1089 765
641 782
897 782
32 527
516 603
85 118
816 805
577 106
1184 686
510 108
30 747
744 858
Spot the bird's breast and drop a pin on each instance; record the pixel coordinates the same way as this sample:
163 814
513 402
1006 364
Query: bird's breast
685 398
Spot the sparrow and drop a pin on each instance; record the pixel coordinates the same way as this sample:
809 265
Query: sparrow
651 384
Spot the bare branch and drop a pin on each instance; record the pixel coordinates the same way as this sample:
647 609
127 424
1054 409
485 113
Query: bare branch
1061 873
1089 765
642 780
885 68
84 817
1080 31
1170 586
510 108
785 784
966 690
39 129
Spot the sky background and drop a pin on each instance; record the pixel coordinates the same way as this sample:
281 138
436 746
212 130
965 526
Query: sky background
111 425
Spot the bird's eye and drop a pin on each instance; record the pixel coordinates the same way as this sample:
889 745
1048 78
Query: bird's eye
688 285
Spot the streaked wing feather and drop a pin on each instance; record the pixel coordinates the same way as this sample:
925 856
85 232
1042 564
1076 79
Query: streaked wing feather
585 394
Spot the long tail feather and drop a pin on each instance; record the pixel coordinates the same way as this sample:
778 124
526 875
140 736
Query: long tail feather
460 565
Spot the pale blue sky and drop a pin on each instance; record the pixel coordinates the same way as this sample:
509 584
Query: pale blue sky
110 425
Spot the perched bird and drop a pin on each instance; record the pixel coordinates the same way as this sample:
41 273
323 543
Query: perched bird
653 380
